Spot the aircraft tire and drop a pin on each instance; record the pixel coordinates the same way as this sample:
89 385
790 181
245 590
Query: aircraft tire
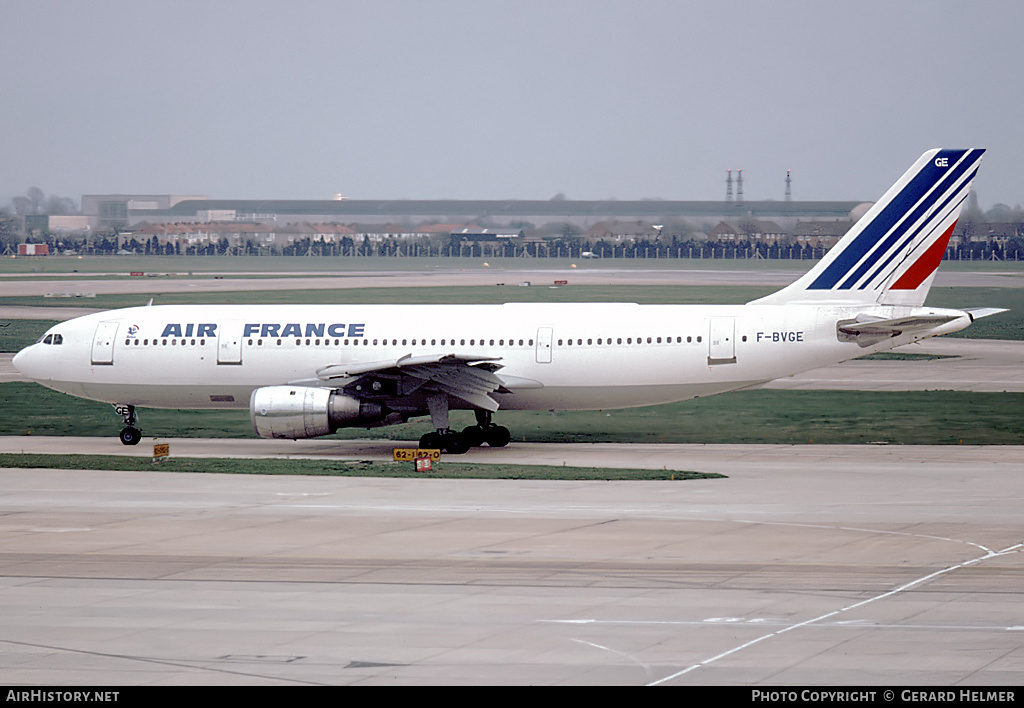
131 436
497 436
474 435
431 441
455 444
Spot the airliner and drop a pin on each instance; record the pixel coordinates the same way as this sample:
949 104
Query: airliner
308 370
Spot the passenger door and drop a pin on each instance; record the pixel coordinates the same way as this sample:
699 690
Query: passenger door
544 335
103 343
229 343
722 341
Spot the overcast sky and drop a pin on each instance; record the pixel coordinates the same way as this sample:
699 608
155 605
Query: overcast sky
489 99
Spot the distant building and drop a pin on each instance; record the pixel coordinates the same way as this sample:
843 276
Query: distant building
202 234
51 224
981 232
474 233
109 211
747 230
723 231
118 211
821 233
622 231
380 232
323 233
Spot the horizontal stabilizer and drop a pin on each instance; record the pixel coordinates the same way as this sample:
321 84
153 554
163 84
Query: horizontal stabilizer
892 327
978 312
868 329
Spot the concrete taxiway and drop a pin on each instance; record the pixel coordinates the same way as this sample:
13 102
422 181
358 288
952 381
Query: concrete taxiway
72 286
981 365
863 565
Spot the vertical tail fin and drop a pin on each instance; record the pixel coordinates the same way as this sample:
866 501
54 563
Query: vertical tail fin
890 256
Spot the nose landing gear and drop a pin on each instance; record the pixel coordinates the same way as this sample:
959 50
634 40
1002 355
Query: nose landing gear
130 435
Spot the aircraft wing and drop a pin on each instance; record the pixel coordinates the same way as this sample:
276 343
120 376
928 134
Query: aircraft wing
465 377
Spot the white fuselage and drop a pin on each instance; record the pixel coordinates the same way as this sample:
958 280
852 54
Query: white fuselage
553 356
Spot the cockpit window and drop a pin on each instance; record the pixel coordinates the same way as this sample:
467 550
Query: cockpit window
48 339
57 339
53 339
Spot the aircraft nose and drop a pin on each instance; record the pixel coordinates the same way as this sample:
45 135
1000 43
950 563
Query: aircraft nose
22 361
20 356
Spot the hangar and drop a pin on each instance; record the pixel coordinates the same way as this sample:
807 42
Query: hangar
125 210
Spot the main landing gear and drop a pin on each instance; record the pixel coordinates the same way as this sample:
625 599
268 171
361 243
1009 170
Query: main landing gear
456 443
130 435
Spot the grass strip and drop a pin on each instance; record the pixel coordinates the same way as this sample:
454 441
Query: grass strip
340 468
762 416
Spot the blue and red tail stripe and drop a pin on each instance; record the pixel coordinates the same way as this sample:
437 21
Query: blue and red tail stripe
937 190
926 264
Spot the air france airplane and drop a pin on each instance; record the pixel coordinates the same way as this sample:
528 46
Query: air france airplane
306 371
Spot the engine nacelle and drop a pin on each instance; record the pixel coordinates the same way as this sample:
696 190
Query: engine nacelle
307 412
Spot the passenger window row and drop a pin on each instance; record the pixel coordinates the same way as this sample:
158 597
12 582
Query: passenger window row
627 341
164 342
395 342
590 341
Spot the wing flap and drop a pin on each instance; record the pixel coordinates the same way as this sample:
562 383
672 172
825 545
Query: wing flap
346 371
469 383
466 377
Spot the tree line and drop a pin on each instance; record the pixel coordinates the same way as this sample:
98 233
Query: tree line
562 248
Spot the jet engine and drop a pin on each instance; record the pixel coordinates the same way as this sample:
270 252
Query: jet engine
307 412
